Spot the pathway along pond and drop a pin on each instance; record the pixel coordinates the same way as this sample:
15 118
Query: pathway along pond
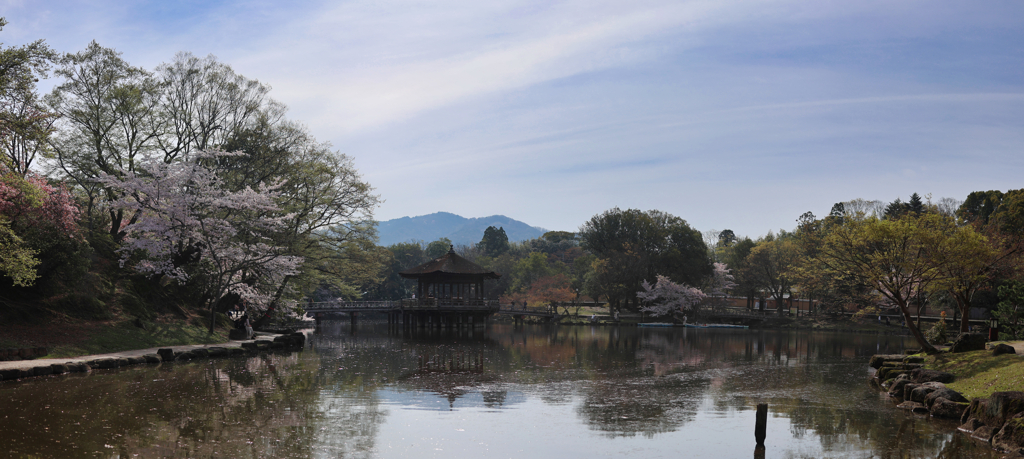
504 392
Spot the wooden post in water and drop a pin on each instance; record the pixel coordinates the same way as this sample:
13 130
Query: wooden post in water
761 423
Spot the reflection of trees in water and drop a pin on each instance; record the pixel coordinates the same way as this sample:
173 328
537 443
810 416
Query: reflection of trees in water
328 401
264 406
631 405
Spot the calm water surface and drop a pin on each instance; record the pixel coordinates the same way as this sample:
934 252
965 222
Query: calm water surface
527 392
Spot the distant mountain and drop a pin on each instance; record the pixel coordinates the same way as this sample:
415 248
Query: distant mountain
460 230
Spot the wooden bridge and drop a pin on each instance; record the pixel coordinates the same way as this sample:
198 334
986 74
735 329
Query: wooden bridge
420 310
413 312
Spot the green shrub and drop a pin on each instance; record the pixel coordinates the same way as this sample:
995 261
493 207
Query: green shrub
131 304
82 306
937 334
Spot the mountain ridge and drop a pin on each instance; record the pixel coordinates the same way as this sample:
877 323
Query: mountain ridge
459 229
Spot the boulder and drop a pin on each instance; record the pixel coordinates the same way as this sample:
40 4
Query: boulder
948 394
942 408
1001 349
152 358
200 353
42 370
898 385
1001 407
237 334
921 375
10 374
915 407
1010 438
104 364
983 433
60 368
121 362
136 360
78 367
913 359
967 342
986 416
919 392
167 355
218 351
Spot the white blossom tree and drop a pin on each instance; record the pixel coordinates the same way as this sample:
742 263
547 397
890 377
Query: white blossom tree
665 296
189 225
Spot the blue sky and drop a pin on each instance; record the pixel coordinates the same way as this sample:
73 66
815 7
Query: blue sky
739 115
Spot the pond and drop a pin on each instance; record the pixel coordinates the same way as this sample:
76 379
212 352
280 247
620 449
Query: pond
501 392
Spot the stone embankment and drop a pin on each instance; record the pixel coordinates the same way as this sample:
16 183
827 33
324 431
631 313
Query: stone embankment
997 420
12 370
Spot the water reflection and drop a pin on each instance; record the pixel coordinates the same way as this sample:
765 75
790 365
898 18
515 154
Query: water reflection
368 391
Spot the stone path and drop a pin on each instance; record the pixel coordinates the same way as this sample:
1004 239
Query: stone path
29 364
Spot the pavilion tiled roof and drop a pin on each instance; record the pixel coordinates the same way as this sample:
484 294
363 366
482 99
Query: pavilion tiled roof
450 263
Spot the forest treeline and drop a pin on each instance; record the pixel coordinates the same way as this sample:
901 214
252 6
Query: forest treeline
898 257
185 189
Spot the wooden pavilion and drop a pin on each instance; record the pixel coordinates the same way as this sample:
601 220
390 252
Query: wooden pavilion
449 291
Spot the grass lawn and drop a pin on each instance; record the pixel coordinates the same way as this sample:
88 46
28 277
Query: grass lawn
124 336
979 373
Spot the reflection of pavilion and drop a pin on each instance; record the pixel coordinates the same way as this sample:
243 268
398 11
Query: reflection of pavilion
449 292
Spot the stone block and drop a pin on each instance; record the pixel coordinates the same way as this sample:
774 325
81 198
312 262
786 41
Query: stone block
218 351
942 408
152 358
921 375
236 334
200 353
878 359
136 360
10 374
43 370
60 368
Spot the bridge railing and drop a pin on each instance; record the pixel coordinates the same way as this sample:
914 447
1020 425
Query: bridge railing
461 303
512 309
409 303
350 305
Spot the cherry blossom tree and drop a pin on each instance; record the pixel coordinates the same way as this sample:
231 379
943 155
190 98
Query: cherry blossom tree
665 296
190 226
34 217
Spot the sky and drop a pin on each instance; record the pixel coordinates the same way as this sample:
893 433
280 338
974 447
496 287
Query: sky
736 115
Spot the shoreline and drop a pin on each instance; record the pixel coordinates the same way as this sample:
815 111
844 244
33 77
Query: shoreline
85 363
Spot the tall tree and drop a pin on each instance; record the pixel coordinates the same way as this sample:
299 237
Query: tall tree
494 242
108 122
636 246
966 261
890 255
25 124
191 227
774 264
